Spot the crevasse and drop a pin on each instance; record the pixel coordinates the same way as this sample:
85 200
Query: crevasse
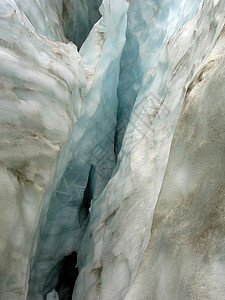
92 150
93 154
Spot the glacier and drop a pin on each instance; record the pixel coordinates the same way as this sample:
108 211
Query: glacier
112 149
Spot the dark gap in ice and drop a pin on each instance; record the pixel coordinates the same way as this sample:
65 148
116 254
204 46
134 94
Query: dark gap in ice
79 16
116 146
86 202
130 81
67 277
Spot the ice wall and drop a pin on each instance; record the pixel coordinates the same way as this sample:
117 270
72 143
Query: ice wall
150 24
186 249
94 132
111 255
79 18
63 19
40 103
131 126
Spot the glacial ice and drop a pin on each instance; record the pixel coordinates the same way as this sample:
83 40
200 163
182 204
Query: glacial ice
91 134
40 103
114 152
79 18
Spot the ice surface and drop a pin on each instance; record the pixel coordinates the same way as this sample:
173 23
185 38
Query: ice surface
79 16
40 104
131 125
186 250
52 296
92 144
150 24
120 222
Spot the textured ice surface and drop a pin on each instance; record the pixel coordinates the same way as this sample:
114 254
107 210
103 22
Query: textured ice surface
186 249
120 222
150 24
79 16
134 124
40 103
61 220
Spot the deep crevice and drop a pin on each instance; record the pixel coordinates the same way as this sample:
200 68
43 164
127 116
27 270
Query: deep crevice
86 202
130 80
79 16
67 277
